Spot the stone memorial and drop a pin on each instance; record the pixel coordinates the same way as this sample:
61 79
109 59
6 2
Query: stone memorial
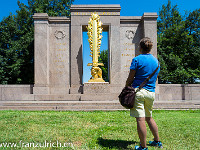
58 58
58 49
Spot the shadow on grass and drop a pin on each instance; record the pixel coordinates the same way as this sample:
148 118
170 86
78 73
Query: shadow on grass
119 144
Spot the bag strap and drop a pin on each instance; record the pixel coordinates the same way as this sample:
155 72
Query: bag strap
147 79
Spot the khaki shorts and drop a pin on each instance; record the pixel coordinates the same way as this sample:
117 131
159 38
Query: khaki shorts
143 104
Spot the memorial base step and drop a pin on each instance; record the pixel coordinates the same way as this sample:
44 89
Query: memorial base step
69 97
90 105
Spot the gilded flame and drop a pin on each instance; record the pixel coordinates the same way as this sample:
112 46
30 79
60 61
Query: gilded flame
94 38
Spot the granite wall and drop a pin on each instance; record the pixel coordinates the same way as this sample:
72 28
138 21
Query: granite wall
168 92
14 92
179 92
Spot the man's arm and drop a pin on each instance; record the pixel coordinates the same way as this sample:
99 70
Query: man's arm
130 78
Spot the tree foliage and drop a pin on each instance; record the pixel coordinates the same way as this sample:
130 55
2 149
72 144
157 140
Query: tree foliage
17 39
104 59
178 45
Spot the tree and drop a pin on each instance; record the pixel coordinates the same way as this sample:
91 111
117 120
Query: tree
192 58
52 7
17 39
10 55
104 59
175 46
193 26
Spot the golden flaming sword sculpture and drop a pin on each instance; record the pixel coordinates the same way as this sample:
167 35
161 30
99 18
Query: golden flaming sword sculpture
94 38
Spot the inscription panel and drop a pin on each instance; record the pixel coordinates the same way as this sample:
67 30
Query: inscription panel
128 47
59 58
91 88
99 13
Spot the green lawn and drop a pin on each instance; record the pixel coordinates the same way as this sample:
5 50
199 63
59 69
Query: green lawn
96 130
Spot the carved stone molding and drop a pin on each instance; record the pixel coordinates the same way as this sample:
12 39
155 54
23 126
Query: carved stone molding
130 34
59 34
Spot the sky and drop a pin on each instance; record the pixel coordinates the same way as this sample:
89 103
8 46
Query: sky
128 8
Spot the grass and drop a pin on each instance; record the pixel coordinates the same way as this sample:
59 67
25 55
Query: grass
98 129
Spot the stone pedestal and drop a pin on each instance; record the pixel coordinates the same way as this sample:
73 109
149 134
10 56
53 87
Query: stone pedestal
41 53
149 27
149 22
52 47
95 87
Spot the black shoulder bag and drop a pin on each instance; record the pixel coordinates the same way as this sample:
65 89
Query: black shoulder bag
127 96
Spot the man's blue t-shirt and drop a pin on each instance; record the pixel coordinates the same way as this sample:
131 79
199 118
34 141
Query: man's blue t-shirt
145 64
